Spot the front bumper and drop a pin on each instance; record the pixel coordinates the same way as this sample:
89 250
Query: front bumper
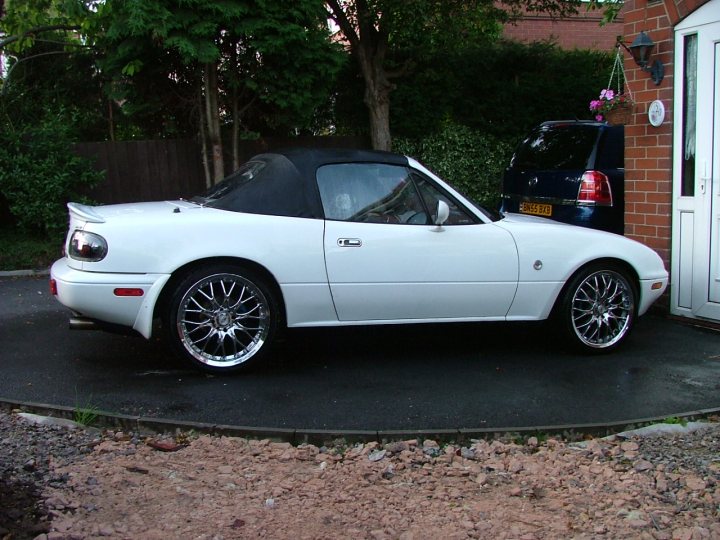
650 291
92 295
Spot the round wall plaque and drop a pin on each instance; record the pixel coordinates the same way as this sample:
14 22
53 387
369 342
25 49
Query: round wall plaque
656 113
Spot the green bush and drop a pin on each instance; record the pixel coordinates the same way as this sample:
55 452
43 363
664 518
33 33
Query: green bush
473 162
20 250
503 89
39 172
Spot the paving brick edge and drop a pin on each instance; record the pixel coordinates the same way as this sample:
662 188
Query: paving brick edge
25 273
154 426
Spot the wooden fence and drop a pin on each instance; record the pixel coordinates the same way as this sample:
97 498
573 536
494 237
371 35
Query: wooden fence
172 168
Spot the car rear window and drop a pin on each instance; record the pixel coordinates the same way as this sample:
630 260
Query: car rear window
556 147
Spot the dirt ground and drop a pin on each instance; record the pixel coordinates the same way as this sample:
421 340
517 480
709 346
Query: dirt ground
222 488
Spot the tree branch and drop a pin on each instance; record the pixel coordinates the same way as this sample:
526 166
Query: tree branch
37 30
4 87
342 20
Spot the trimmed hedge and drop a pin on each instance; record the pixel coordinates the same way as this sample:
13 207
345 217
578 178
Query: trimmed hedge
472 161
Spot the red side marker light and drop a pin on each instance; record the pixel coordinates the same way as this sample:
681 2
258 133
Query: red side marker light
53 287
123 291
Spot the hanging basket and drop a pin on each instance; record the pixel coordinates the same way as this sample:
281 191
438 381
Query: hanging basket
621 115
615 102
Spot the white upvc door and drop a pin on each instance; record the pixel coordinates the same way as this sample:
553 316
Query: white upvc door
696 166
710 172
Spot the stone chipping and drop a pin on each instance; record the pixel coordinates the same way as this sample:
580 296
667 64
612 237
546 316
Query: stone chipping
122 485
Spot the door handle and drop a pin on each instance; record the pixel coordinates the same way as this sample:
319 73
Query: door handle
705 178
349 242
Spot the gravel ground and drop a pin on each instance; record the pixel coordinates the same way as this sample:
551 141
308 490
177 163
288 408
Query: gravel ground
61 484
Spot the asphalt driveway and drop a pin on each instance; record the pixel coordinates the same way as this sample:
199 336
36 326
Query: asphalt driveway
424 377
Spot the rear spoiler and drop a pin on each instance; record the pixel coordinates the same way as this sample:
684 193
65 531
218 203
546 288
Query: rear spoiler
85 212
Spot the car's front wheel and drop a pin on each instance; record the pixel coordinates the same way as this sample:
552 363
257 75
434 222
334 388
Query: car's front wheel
222 318
598 308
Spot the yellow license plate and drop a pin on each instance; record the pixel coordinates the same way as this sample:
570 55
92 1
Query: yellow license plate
536 209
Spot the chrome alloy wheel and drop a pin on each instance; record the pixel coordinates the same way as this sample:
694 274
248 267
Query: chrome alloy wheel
223 320
602 309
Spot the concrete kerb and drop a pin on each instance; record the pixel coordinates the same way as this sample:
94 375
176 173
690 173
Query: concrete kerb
25 273
159 426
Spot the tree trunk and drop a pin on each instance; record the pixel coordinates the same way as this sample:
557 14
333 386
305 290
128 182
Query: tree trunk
379 109
111 119
213 122
203 137
377 96
235 129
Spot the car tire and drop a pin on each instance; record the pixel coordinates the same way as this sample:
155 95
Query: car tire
222 318
598 308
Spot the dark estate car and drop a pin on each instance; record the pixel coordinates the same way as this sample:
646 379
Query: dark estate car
569 171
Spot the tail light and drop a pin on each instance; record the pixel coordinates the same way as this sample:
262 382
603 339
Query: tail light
594 190
87 246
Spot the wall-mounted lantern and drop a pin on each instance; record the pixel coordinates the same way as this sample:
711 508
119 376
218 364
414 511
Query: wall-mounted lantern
641 50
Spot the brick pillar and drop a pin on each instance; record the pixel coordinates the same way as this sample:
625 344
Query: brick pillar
648 149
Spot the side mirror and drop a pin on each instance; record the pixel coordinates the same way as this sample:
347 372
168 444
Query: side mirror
443 213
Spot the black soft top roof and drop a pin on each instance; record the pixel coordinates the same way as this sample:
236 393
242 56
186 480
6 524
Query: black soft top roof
286 185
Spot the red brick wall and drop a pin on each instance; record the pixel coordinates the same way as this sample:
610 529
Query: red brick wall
581 31
648 149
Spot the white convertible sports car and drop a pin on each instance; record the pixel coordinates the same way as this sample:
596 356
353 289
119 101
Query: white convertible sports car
340 237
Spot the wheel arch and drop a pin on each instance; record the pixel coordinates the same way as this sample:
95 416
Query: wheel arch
612 261
180 273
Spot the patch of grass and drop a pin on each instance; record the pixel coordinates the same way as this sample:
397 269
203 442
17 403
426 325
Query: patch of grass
22 250
675 420
86 414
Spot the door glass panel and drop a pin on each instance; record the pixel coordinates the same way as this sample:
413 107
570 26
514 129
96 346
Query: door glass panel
689 116
431 196
369 193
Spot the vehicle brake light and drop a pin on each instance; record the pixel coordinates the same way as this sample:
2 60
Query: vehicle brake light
87 246
595 190
53 287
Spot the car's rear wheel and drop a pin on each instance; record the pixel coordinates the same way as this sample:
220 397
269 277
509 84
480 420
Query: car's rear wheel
598 308
222 318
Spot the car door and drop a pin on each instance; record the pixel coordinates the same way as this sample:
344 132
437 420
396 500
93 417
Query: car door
387 260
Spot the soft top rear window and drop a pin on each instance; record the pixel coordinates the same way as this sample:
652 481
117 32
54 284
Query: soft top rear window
268 184
556 147
236 180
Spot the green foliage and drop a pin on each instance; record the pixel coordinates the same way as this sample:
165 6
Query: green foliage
675 420
49 99
471 161
275 59
86 414
501 89
21 250
52 75
25 21
39 173
511 87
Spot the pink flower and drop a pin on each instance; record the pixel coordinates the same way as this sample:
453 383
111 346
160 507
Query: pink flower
607 94
599 117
